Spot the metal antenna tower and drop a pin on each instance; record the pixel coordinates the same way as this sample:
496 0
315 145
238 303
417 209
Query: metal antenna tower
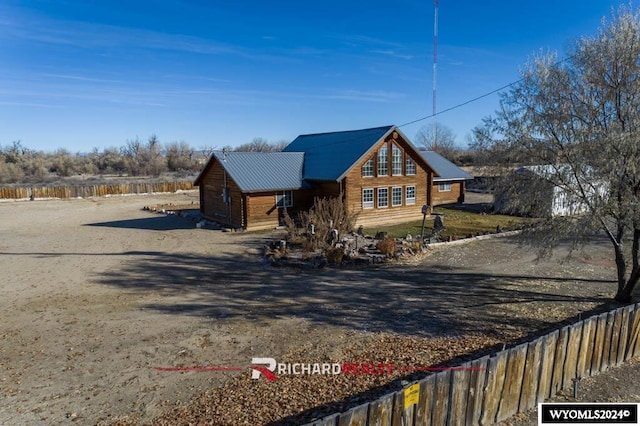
435 55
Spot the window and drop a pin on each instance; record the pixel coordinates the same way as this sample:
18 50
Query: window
284 199
396 195
444 186
367 168
383 161
410 167
383 197
396 160
410 197
367 198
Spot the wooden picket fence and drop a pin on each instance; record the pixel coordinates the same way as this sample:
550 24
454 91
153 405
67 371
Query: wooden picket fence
493 388
84 191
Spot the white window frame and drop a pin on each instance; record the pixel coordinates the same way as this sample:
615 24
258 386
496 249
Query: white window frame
287 196
444 187
367 168
386 197
396 160
410 201
368 204
410 162
383 161
396 190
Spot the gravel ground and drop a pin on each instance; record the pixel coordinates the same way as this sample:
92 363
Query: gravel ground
98 293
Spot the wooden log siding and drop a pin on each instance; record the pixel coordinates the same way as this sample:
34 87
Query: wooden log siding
354 183
262 213
510 381
212 204
445 197
85 191
252 211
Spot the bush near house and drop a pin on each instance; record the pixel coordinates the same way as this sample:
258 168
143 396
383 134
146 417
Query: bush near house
325 215
387 246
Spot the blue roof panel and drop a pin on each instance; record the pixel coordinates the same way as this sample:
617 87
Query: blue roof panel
328 156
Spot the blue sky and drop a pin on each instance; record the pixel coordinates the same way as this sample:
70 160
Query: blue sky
84 74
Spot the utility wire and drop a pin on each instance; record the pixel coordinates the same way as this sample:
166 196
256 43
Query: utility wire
479 97
462 104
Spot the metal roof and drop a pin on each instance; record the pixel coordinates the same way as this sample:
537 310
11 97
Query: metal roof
260 171
444 168
328 156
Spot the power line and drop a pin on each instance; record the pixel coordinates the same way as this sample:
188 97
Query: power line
462 104
434 114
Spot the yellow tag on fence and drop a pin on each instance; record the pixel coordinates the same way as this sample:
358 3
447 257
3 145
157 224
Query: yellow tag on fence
411 395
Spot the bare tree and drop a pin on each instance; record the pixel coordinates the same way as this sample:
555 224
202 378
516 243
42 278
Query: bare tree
261 145
110 160
141 159
579 121
179 156
439 138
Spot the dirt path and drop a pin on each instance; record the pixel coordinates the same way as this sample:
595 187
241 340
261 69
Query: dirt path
98 292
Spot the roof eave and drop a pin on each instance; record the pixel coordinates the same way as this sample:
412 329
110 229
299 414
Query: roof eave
256 191
440 179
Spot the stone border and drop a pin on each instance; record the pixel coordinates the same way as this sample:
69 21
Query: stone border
478 238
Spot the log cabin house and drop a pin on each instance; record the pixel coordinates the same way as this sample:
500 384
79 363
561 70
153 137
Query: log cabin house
377 171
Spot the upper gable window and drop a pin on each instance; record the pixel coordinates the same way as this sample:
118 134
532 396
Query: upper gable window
383 161
367 168
410 167
396 160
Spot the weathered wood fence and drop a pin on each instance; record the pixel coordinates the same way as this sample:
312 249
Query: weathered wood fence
493 388
83 191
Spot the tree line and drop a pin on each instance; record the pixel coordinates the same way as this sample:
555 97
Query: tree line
19 164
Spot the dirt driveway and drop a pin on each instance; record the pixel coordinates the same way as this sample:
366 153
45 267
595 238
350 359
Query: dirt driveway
97 292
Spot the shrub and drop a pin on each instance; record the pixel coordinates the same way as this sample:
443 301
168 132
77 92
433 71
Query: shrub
327 214
387 246
293 232
335 255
